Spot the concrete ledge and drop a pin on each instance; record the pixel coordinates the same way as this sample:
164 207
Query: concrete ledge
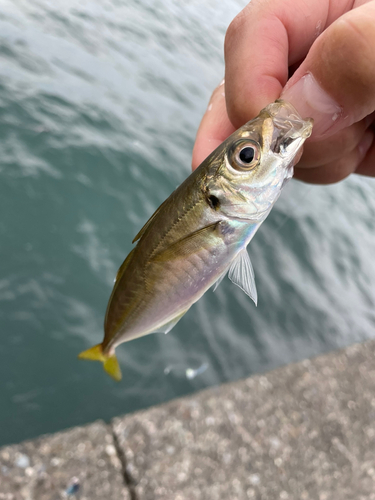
304 431
78 463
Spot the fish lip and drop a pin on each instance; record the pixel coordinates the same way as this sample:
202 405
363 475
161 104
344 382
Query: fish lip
288 132
281 105
287 119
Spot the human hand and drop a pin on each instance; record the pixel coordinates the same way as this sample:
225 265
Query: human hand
328 46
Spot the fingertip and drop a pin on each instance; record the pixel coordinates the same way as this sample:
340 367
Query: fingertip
256 60
214 128
203 147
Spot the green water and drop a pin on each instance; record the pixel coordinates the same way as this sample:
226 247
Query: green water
99 105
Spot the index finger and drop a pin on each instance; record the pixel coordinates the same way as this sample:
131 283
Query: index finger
263 41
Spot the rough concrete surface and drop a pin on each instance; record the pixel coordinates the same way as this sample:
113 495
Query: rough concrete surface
80 463
304 431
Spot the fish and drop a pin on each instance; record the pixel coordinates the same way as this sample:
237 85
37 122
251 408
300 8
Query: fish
201 232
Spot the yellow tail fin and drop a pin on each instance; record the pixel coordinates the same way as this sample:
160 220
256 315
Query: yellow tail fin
110 363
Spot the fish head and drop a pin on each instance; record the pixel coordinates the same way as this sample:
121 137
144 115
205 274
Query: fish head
250 168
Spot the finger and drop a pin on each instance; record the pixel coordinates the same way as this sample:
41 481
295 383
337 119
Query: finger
358 3
214 128
260 44
335 83
340 169
325 151
367 165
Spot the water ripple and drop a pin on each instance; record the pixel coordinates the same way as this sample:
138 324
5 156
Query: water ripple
99 106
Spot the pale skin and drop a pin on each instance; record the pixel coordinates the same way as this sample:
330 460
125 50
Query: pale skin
320 56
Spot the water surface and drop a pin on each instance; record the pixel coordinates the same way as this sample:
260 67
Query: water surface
99 106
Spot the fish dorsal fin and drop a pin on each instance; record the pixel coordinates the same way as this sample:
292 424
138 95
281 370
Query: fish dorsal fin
148 223
241 273
123 266
119 275
167 327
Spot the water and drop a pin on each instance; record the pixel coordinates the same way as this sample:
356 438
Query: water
99 105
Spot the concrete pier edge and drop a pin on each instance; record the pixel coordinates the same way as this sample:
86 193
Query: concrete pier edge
303 431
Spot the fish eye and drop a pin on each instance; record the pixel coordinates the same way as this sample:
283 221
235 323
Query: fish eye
245 155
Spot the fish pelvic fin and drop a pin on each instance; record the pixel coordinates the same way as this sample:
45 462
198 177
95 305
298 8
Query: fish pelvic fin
241 273
110 363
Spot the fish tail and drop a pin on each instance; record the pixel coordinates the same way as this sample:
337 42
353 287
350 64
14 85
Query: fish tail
110 363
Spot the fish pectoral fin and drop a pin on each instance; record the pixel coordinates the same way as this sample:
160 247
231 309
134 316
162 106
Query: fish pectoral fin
188 245
241 273
110 363
167 327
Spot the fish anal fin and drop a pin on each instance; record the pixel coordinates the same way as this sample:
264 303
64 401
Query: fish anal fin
188 245
167 327
219 280
110 363
241 273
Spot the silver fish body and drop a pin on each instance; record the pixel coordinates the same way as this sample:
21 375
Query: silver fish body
202 230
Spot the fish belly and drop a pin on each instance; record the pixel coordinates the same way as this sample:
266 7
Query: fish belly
170 288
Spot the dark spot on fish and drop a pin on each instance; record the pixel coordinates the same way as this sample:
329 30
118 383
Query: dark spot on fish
214 202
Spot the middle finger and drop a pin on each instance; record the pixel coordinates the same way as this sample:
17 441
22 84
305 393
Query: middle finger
321 152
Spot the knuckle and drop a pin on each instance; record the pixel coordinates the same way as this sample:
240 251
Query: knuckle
349 137
352 45
328 173
344 166
344 59
335 148
353 31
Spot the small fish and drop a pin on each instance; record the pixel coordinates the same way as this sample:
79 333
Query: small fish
200 233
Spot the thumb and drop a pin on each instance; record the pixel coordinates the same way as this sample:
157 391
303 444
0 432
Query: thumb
335 84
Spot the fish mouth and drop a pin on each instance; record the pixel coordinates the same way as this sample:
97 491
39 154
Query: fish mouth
286 119
288 130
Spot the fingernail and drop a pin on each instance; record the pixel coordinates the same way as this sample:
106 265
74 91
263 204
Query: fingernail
311 101
365 144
